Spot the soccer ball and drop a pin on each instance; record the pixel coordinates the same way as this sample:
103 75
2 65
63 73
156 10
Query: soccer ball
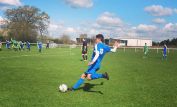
63 88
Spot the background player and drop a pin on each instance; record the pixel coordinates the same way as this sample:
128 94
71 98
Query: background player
145 49
22 45
28 46
165 52
7 44
100 50
84 50
14 44
39 45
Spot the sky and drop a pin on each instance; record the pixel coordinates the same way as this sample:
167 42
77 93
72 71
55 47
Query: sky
152 19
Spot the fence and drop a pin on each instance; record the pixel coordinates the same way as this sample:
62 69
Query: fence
124 49
141 49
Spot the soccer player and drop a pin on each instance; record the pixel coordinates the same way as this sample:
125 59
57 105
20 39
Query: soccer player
28 45
7 44
84 50
22 45
14 44
145 49
165 52
18 45
39 45
100 50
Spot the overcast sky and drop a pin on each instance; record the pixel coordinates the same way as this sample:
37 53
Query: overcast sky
154 19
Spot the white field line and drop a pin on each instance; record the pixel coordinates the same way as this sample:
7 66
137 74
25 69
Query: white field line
58 54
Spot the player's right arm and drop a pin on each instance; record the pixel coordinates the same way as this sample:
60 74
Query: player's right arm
116 45
96 55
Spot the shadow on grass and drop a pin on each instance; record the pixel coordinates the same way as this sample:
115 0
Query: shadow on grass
87 87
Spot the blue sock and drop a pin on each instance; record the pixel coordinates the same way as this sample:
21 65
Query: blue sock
78 84
96 76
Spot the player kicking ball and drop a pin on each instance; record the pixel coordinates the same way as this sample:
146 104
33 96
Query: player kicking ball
99 52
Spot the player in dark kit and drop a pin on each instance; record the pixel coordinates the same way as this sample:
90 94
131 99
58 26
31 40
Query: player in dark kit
84 50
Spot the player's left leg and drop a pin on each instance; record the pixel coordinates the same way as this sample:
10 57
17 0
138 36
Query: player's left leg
82 78
79 82
165 56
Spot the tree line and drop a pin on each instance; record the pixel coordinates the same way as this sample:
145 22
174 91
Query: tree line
168 42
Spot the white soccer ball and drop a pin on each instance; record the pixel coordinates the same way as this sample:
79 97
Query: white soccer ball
63 88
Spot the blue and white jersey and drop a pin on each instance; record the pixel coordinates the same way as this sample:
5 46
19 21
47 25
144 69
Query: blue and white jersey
40 45
28 44
100 50
7 44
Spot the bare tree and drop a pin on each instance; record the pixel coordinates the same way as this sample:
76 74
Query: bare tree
83 36
65 39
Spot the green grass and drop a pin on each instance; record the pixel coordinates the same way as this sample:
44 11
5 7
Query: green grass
31 79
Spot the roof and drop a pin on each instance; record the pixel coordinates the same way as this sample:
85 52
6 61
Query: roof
140 38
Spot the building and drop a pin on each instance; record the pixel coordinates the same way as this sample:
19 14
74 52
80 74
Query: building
130 41
80 40
123 41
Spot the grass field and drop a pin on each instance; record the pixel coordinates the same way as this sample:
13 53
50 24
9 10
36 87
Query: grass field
31 79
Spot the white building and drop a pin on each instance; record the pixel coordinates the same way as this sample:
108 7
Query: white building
134 41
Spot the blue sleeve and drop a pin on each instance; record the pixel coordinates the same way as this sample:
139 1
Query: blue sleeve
107 48
102 48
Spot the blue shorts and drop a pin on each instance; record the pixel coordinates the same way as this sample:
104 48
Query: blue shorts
92 69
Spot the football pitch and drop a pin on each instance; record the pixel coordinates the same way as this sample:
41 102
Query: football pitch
31 79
